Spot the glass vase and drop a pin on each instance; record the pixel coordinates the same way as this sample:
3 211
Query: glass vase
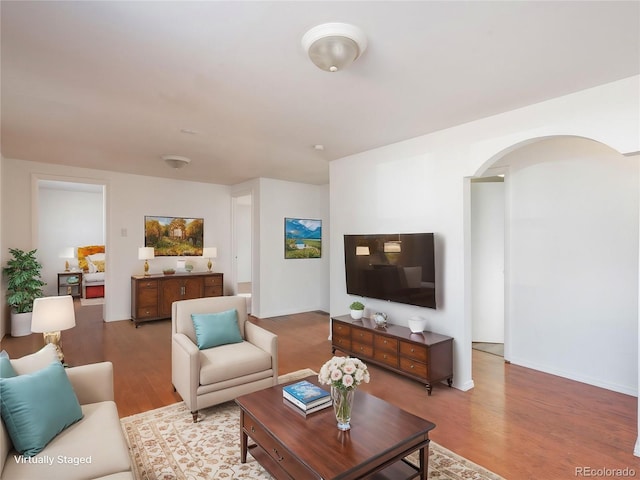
342 405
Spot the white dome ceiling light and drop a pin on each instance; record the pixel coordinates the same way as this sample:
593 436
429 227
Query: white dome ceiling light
176 161
334 46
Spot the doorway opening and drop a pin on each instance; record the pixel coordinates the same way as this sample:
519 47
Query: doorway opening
242 247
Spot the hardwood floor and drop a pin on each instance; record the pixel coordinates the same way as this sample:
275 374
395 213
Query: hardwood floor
517 422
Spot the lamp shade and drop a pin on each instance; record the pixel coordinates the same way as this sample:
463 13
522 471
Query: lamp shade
210 252
53 314
145 253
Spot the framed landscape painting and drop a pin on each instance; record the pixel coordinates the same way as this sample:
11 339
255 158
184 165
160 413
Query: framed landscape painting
302 238
174 236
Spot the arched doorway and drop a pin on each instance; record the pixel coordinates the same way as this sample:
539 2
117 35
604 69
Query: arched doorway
571 259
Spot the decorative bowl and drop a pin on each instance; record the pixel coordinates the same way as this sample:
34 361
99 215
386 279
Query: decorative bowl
168 271
417 324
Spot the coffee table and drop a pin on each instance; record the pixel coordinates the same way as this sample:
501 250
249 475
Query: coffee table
290 445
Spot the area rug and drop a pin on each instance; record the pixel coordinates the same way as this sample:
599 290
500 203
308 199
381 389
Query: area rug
165 444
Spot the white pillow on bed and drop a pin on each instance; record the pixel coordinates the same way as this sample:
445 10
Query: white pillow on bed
96 257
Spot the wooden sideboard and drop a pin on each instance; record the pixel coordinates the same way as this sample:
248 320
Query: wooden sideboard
425 356
152 295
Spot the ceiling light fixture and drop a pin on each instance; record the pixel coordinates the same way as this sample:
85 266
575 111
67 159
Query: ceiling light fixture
176 161
334 46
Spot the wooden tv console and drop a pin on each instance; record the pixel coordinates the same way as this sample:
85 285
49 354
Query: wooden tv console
426 356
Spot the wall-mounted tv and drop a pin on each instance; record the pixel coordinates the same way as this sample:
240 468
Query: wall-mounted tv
395 267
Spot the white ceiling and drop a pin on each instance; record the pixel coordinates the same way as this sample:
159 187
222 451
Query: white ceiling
109 85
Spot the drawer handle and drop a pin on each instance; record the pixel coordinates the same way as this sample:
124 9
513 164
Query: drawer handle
253 429
411 366
279 457
412 350
384 356
385 342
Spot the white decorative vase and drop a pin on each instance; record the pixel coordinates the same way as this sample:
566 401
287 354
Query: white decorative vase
417 324
357 314
20 324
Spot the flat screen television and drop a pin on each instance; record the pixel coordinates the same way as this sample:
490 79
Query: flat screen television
395 267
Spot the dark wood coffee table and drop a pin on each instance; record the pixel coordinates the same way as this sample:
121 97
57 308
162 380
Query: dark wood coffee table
290 445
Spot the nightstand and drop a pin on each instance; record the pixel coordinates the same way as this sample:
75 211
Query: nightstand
70 283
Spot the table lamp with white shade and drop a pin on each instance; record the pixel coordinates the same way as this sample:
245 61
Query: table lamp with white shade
146 254
50 316
209 252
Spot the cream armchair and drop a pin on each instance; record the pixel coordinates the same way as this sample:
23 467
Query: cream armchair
204 378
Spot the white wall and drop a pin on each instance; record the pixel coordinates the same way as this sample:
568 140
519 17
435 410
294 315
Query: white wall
419 185
66 219
243 241
289 286
487 261
574 262
129 199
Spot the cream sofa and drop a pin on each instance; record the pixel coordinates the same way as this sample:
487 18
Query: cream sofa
92 448
210 376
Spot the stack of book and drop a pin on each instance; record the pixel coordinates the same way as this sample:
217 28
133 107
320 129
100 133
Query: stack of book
306 397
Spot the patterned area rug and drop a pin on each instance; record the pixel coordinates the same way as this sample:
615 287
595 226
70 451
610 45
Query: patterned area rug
165 444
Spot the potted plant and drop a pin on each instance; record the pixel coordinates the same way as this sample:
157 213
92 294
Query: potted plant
23 287
357 309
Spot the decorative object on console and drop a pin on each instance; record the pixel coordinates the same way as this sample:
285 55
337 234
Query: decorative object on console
174 236
68 254
210 252
380 319
146 254
417 324
168 271
334 46
50 316
344 374
357 310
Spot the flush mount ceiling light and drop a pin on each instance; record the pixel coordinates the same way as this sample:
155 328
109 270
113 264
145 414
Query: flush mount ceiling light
334 46
176 161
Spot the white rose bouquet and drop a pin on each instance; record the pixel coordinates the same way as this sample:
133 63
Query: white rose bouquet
344 373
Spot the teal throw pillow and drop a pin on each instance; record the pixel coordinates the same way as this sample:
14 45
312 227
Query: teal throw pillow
214 329
6 369
38 406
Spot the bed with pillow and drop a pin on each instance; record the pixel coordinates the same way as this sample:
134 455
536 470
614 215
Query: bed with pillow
91 260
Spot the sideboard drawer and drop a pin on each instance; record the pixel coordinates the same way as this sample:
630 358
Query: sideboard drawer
362 336
340 329
342 342
362 349
214 281
411 350
386 357
416 369
147 311
386 344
